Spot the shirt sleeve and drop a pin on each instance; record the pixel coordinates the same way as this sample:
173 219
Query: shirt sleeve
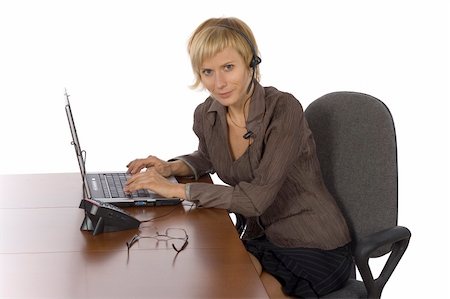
198 161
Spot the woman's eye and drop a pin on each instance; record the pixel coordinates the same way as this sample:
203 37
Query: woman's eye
206 72
229 67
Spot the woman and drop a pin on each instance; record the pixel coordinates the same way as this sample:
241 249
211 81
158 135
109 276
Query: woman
258 142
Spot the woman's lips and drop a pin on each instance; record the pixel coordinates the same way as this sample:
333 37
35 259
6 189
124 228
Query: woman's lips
225 95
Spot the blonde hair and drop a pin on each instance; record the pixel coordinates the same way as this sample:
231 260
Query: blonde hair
214 35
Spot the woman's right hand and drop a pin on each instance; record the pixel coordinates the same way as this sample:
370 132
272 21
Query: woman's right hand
162 167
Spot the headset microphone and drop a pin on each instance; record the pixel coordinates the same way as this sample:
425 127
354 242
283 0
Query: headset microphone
248 135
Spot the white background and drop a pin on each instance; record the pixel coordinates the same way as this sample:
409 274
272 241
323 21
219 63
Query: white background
125 65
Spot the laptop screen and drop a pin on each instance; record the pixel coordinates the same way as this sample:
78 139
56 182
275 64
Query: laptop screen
81 155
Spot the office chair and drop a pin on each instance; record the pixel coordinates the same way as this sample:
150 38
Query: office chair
357 150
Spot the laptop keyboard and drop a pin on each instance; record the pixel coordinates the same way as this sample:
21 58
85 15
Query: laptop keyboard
113 184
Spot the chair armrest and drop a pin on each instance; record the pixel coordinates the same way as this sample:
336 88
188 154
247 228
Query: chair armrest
397 238
203 179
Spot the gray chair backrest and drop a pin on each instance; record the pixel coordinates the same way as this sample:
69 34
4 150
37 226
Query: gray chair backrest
357 149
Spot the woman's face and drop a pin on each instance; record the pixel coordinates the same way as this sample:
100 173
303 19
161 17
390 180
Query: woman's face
227 77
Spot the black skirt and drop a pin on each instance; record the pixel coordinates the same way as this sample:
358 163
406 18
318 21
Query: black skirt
303 272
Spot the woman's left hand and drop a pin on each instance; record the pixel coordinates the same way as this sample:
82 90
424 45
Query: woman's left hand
154 181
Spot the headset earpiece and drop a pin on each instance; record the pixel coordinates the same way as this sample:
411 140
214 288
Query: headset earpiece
255 61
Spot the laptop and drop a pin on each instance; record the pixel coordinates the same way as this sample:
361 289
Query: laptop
107 187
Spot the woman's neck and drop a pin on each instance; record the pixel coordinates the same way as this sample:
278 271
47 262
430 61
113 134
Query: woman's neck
239 113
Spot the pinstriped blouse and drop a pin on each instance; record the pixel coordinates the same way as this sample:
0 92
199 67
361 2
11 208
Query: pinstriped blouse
277 183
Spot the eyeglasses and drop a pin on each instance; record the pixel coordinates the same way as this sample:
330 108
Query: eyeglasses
171 234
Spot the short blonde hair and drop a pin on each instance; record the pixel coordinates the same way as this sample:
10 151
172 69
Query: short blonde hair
216 34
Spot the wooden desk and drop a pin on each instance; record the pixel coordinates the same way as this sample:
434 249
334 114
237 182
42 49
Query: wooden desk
43 253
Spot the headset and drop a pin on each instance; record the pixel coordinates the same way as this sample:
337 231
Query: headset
253 63
255 58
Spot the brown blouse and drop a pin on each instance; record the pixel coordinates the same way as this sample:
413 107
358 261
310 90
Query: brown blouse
277 183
